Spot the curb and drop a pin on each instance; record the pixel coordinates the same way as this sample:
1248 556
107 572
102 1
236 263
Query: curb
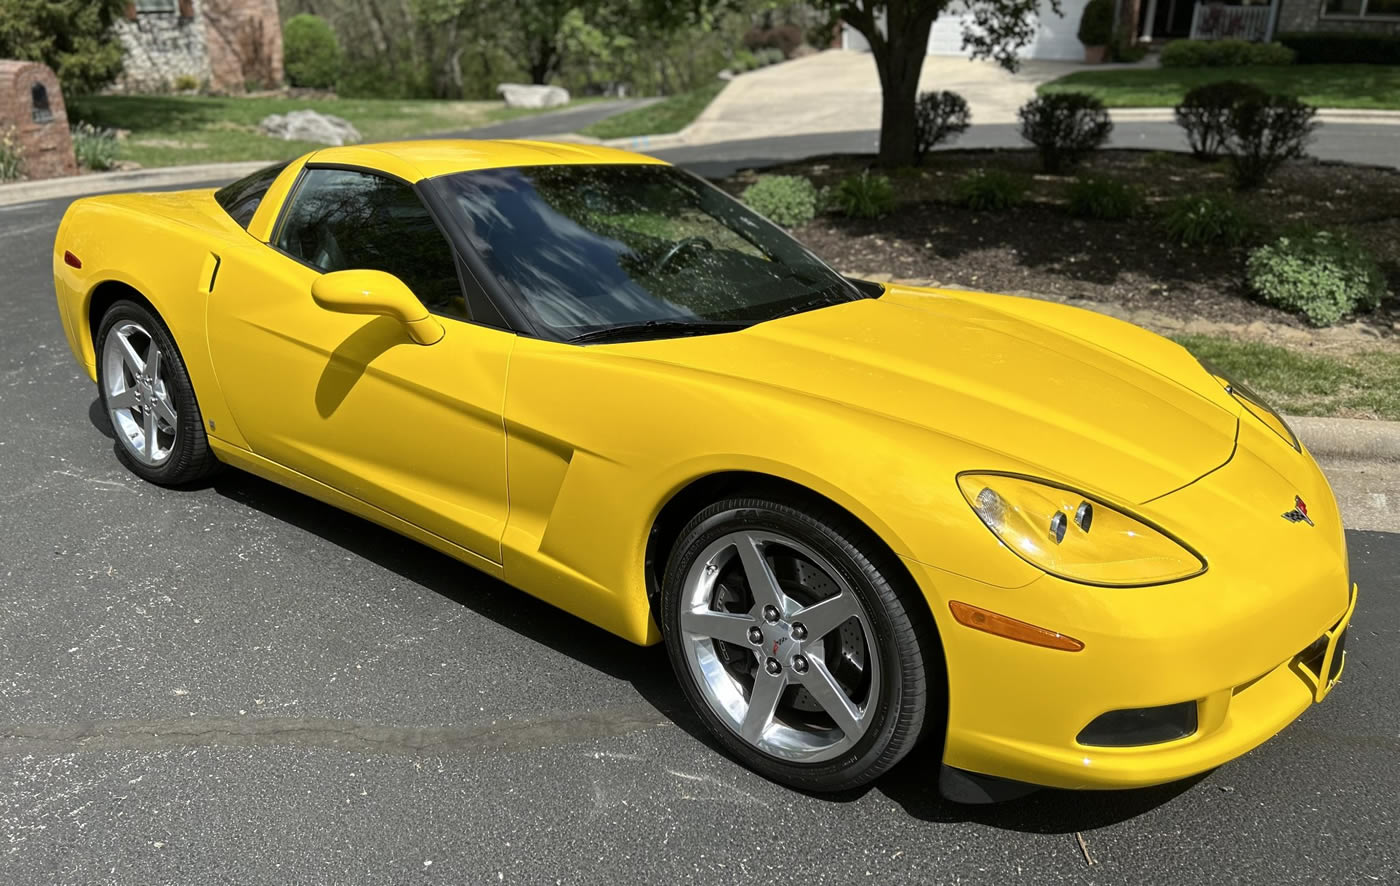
1324 115
106 182
1349 437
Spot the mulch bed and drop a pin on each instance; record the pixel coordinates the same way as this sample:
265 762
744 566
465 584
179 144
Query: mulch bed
1039 248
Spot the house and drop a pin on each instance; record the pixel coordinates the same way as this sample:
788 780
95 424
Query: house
1260 20
222 45
1056 35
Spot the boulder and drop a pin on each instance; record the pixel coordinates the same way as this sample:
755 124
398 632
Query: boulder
310 126
526 95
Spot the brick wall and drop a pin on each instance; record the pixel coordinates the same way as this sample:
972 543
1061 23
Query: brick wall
43 136
244 41
1306 15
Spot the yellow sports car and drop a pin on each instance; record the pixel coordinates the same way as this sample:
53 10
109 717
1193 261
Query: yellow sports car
857 515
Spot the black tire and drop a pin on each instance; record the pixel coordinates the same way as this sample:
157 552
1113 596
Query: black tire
190 458
912 683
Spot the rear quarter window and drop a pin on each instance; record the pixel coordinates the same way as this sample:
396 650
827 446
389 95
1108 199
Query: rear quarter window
241 198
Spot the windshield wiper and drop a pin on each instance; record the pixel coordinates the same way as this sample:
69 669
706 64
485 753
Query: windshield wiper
832 295
665 328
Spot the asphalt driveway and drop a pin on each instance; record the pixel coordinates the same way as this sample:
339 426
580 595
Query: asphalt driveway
236 684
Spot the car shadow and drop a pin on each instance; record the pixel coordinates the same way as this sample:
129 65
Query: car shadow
913 784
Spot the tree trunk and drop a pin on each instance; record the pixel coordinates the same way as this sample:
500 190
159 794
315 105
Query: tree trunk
899 49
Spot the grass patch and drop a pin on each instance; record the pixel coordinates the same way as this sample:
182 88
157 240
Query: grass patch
175 130
1364 384
1327 86
668 115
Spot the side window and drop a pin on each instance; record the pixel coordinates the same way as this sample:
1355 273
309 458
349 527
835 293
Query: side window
341 219
241 198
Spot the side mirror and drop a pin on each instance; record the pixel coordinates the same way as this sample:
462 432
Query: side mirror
376 292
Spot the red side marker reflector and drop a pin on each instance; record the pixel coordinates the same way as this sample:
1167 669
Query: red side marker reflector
1005 626
71 260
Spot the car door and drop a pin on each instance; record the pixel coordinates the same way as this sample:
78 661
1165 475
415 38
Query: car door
351 400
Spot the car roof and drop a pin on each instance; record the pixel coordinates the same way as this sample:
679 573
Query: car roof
416 160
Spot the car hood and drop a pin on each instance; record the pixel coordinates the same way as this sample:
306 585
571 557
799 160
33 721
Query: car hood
1081 397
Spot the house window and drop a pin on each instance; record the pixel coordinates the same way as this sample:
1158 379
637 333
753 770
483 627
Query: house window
155 5
39 99
1361 8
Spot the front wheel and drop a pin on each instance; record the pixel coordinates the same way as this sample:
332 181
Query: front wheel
797 641
148 397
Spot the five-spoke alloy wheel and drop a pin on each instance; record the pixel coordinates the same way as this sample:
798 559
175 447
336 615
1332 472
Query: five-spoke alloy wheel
789 631
147 396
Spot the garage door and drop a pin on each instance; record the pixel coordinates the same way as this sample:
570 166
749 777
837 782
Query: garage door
1054 38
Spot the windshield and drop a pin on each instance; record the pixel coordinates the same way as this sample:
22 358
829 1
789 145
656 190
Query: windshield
637 249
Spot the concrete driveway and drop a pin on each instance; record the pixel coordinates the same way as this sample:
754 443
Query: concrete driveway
839 91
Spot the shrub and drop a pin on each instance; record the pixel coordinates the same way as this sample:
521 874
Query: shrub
1207 221
994 189
1205 112
938 117
1223 53
1264 133
1064 127
1125 49
784 38
788 200
769 56
1322 275
1104 198
1340 47
186 83
310 52
95 147
11 158
867 195
743 61
1096 23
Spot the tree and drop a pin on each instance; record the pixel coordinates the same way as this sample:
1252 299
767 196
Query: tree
71 36
898 30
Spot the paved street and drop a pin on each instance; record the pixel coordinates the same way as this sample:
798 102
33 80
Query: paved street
236 684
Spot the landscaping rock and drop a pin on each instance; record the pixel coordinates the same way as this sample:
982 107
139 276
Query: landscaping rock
525 95
310 126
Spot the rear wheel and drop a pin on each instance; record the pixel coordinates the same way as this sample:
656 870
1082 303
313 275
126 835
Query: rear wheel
148 397
797 641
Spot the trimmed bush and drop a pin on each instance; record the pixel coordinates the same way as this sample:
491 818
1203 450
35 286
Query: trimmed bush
939 116
867 195
1064 127
310 52
990 189
1343 48
1205 112
1124 49
1106 199
1264 133
1322 275
787 200
95 147
1096 23
1207 221
1223 54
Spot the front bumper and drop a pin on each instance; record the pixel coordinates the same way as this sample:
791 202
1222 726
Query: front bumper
1252 642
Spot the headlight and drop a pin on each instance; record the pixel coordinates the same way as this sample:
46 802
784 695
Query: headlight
1074 536
1255 405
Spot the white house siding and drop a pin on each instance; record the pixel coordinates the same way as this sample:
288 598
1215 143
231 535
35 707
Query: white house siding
1054 39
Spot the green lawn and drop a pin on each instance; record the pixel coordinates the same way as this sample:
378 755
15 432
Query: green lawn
1327 86
668 115
176 130
1364 384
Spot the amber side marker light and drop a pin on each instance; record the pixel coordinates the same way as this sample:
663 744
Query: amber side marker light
71 260
1004 626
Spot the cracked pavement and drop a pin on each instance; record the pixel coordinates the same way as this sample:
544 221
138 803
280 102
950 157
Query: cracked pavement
237 684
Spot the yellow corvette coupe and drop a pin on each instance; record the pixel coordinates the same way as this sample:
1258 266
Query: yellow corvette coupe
857 515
